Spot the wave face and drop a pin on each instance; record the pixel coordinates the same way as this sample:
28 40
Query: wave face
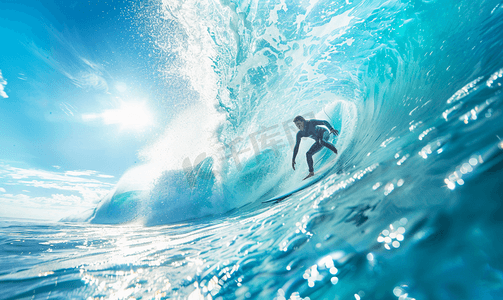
411 210
253 70
379 72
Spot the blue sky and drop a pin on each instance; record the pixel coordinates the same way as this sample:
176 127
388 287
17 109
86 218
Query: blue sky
80 95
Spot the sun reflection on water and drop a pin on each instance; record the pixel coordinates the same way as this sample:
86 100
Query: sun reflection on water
392 237
464 169
401 293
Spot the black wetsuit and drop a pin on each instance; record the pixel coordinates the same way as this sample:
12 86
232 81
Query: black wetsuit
316 133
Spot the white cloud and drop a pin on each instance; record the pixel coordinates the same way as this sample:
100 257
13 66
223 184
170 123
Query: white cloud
81 173
55 193
3 83
68 176
88 79
56 200
81 71
39 212
67 108
104 176
22 76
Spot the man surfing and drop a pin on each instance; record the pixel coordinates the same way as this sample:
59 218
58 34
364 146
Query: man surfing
310 128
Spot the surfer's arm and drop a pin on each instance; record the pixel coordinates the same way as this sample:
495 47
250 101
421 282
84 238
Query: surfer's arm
325 123
296 149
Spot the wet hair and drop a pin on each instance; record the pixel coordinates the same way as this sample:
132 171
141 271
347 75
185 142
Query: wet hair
299 118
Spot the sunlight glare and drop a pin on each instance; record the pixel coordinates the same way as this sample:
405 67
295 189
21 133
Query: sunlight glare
129 116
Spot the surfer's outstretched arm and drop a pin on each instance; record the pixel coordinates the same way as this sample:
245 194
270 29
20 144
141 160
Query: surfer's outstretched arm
325 123
296 149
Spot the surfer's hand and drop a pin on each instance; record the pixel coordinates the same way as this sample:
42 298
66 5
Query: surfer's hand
293 164
334 131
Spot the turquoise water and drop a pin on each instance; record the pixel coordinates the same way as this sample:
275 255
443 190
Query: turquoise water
411 209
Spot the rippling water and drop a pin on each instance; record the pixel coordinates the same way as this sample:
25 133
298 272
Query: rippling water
412 210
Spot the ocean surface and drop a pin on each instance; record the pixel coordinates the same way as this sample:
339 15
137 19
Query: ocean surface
411 207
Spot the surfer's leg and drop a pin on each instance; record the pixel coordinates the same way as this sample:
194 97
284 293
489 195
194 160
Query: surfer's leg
323 142
329 146
309 155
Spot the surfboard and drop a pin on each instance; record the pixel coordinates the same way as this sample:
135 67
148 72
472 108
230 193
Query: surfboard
319 175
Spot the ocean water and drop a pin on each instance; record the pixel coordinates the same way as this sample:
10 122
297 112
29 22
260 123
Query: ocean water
411 209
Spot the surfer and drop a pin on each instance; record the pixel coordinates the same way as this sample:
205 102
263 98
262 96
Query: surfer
310 128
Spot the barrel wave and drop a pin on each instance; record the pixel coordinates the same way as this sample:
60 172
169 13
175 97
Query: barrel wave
380 72
410 210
